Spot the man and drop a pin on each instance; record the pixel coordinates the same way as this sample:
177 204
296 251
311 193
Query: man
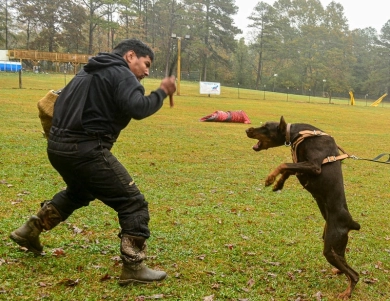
89 115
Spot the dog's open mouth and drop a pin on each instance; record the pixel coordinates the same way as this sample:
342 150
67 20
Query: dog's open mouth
257 147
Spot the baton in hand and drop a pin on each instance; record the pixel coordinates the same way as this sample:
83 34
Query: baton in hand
171 104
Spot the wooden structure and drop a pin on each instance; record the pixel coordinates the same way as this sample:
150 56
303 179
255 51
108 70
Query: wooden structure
36 56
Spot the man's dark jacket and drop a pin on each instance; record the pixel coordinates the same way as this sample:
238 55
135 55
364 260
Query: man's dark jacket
102 99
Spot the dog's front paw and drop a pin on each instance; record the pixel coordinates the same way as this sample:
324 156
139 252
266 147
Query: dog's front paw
269 180
277 187
279 184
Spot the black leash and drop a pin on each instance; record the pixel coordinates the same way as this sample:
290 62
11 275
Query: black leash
376 159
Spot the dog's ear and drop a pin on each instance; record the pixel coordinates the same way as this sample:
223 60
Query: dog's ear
282 125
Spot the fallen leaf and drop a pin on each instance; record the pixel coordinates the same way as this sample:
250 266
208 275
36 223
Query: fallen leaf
23 193
69 282
370 281
16 201
250 283
209 298
201 257
105 278
44 296
142 298
291 275
301 297
318 296
77 230
58 252
159 296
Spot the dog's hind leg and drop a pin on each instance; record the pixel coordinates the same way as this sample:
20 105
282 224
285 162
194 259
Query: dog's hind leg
335 243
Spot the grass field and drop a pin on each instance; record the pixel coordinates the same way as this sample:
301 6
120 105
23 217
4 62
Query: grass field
216 230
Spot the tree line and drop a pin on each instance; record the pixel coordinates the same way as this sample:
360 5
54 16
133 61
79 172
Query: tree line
295 46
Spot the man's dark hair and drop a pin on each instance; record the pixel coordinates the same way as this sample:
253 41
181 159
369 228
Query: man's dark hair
140 48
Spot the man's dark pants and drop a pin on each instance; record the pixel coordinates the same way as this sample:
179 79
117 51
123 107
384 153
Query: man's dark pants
90 172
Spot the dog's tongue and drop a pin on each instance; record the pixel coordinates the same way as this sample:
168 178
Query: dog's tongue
256 147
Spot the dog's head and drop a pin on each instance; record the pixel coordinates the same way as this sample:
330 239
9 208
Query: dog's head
271 134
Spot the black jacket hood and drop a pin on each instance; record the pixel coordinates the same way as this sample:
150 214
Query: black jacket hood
104 60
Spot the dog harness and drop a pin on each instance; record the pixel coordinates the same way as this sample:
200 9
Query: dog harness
307 134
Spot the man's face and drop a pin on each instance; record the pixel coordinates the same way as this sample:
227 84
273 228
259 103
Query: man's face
139 66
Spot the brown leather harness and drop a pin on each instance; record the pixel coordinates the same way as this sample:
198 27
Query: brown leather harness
306 134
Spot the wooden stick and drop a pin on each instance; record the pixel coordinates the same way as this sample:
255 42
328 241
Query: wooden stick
171 103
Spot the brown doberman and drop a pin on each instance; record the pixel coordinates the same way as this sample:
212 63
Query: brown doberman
317 166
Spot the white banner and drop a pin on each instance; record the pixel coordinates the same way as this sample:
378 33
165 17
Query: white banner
210 88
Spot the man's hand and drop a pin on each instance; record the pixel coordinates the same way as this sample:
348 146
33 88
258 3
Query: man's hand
168 85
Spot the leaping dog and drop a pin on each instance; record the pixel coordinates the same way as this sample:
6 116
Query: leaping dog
317 166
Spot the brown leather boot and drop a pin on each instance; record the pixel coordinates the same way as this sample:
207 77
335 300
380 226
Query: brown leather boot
133 250
28 234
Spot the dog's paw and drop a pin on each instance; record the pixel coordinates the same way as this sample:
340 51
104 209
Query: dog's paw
345 295
277 187
269 180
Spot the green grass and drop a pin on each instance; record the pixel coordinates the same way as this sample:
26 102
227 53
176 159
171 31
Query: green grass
216 230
